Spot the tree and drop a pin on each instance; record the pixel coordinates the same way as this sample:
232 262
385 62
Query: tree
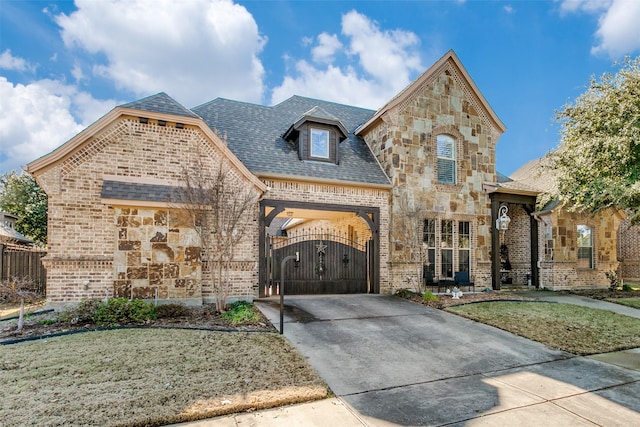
22 196
597 164
408 235
218 205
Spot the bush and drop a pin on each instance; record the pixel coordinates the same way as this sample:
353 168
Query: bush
428 296
614 281
404 293
627 288
122 310
115 311
241 312
172 311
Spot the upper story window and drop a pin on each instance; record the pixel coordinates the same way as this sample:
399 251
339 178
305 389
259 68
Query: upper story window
319 143
585 247
446 152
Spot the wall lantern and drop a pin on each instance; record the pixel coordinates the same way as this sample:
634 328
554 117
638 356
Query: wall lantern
345 260
503 220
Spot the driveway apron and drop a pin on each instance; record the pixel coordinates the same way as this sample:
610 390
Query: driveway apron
400 363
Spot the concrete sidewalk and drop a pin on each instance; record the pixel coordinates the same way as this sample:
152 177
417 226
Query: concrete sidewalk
392 362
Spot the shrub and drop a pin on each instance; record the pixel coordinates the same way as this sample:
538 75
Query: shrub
428 296
115 311
404 293
172 311
614 281
241 312
627 288
122 310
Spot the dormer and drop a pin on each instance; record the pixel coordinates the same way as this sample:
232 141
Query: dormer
317 134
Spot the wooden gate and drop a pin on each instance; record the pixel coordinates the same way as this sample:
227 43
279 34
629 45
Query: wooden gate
23 262
329 264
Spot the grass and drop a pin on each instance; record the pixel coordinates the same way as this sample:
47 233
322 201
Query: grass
575 329
149 377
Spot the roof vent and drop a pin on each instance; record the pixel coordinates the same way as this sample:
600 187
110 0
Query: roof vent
143 120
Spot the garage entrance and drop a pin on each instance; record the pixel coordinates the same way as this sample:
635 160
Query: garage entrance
331 262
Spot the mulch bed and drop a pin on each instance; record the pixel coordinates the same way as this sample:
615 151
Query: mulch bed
201 317
445 300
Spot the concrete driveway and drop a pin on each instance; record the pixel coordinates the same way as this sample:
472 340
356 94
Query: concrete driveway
393 362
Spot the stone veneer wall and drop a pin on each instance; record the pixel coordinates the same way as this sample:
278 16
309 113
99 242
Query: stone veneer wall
629 251
560 272
88 239
404 142
343 195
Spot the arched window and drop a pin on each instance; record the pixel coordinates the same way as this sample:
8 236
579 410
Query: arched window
446 152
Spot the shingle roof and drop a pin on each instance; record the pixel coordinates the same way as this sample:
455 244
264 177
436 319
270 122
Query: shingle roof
160 103
134 191
254 134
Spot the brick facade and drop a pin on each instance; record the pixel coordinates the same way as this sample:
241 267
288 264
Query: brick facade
129 248
298 191
559 266
629 251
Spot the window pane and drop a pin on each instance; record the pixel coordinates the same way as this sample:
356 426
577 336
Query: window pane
463 235
446 152
585 247
446 240
319 143
463 260
429 233
447 262
431 261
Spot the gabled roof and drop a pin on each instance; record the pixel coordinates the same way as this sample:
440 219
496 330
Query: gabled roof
317 115
450 59
160 103
255 135
157 107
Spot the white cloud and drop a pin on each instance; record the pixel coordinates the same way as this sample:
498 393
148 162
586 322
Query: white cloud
381 63
618 31
194 50
509 9
327 46
10 62
37 117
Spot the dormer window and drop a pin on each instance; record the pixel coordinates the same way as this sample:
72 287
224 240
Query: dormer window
317 135
319 143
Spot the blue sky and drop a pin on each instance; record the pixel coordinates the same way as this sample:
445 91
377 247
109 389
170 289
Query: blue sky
65 64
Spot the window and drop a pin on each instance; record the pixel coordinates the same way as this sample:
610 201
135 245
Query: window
319 143
447 245
446 152
463 245
446 248
429 239
585 247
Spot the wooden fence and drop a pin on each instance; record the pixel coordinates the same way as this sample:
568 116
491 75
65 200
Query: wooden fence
23 262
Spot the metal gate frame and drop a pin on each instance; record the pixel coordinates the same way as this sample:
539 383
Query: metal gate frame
371 216
332 263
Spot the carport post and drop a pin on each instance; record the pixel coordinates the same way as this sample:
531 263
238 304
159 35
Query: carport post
284 261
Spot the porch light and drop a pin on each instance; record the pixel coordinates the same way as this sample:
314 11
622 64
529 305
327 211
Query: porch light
503 220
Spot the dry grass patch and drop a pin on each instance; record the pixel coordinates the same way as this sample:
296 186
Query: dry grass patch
150 377
578 330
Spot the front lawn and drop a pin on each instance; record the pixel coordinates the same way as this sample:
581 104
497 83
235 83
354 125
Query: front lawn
575 329
149 377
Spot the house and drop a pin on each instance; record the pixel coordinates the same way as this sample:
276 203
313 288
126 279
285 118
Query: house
358 176
8 232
